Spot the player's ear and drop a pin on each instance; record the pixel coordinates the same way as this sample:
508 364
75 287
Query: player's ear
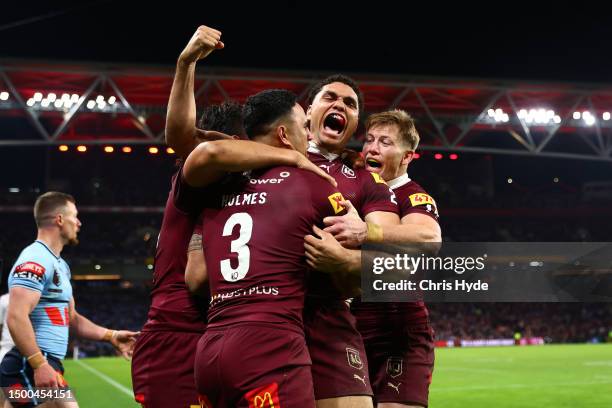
283 137
408 156
59 219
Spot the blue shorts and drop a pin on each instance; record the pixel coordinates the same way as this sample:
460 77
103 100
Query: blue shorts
16 373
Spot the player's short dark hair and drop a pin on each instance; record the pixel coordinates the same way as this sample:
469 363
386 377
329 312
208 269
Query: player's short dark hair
316 88
264 108
49 204
225 118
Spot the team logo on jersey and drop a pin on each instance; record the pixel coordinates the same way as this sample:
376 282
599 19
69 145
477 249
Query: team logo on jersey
263 397
348 172
56 278
354 359
378 179
335 200
30 270
394 366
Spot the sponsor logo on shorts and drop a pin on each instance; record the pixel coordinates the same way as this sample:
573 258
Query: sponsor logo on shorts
395 387
362 379
30 270
394 366
348 172
264 397
354 359
335 200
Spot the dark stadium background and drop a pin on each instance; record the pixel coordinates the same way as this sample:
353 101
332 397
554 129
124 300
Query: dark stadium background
488 41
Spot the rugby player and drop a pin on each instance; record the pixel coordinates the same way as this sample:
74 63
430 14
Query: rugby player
254 351
162 366
340 370
42 308
398 336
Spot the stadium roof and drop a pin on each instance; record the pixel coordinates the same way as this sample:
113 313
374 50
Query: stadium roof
52 103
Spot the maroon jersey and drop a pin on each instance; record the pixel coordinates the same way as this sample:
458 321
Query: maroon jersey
367 191
253 240
412 198
172 307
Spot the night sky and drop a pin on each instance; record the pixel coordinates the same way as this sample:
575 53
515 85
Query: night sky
492 40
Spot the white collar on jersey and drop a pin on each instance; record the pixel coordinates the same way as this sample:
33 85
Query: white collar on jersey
313 148
399 181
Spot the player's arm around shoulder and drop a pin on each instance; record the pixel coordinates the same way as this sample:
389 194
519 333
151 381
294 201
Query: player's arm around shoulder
378 203
417 227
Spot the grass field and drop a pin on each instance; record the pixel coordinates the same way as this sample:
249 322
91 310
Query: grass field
576 376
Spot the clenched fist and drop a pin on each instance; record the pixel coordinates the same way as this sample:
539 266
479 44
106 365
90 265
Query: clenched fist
204 41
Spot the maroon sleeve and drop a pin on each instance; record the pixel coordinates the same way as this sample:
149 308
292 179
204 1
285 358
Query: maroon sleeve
414 199
325 198
375 194
186 198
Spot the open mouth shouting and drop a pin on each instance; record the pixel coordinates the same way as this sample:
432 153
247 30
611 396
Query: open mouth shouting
334 124
373 165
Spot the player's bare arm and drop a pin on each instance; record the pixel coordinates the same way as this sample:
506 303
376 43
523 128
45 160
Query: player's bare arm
22 302
196 275
352 232
181 132
211 160
415 227
122 340
324 253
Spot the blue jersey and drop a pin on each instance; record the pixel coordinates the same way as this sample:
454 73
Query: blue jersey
38 269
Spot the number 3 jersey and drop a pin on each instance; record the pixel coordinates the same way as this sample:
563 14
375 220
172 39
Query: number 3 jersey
253 240
38 269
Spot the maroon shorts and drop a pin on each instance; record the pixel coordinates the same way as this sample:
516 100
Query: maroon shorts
401 362
253 365
339 364
162 369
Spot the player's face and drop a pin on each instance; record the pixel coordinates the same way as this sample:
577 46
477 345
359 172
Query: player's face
333 116
384 153
70 224
297 129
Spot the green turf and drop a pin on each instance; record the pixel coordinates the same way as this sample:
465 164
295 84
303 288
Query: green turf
577 376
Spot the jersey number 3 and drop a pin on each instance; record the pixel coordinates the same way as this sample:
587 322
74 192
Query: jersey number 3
238 246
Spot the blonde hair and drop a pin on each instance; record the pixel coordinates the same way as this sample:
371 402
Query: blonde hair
408 134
